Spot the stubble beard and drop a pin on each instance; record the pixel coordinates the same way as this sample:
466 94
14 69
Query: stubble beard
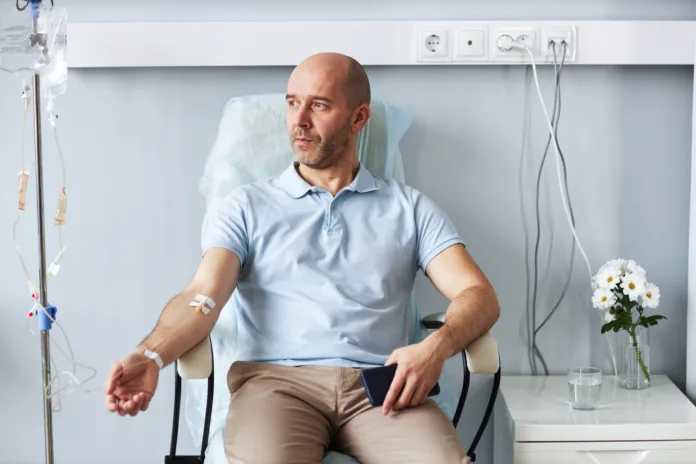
325 153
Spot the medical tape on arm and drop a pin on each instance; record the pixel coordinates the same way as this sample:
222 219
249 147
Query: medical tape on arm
203 304
155 357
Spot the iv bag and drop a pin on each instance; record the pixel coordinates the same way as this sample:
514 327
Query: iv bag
54 75
35 40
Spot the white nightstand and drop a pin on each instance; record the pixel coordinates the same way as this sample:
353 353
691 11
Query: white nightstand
534 424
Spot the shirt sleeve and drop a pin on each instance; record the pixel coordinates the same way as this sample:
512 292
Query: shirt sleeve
435 230
226 226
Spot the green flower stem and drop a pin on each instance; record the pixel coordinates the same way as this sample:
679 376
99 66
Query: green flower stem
639 356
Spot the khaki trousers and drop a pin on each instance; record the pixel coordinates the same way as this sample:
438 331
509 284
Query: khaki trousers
293 415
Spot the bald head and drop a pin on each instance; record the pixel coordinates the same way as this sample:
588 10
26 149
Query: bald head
357 83
328 105
351 75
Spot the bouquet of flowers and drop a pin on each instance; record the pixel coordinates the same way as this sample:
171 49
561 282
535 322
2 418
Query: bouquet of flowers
621 289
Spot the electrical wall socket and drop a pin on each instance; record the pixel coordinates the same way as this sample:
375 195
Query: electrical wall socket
470 45
433 45
527 35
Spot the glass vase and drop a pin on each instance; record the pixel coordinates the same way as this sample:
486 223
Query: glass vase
634 358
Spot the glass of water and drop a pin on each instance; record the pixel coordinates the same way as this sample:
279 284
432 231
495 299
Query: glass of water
584 387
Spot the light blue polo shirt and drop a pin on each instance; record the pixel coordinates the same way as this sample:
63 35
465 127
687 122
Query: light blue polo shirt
326 280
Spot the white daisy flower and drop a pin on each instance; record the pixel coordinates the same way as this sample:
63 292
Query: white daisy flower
603 298
608 317
651 297
613 264
633 268
633 286
609 278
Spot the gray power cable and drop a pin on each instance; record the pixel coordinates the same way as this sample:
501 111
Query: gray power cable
531 312
535 352
555 116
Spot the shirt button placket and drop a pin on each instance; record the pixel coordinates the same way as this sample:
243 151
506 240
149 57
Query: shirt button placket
327 221
329 215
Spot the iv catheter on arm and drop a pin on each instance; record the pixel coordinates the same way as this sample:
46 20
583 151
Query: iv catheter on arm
190 316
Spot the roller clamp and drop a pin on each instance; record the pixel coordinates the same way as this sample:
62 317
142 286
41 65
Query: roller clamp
45 322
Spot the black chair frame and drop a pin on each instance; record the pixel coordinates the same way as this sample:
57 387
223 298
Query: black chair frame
172 457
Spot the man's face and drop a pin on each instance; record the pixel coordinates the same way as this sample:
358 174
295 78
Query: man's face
319 117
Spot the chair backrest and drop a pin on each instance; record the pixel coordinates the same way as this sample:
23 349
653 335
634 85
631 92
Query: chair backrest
252 144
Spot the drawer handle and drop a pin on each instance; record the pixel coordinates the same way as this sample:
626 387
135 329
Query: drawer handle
614 457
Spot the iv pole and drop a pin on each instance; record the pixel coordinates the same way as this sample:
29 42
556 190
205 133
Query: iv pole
44 321
43 292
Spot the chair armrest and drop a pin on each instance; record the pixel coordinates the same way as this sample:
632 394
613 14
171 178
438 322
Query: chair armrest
197 363
482 355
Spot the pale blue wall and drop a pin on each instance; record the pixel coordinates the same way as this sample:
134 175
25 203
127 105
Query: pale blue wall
135 142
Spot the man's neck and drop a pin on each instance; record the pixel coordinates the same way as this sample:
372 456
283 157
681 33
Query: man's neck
333 179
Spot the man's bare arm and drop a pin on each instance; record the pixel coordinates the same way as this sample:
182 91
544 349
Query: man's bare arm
179 327
474 306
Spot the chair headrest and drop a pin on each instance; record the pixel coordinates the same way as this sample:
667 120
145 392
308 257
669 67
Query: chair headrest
252 143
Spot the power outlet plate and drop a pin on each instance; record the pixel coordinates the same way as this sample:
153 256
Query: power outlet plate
478 42
433 45
470 45
528 35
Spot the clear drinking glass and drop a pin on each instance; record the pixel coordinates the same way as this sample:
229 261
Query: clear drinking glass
584 387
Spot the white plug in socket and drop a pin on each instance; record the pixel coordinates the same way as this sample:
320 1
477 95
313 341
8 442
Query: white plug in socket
433 45
470 45
501 42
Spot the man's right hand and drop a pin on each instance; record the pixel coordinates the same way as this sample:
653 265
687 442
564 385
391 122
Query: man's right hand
131 384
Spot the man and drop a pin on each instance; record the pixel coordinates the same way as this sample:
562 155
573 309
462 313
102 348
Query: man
323 258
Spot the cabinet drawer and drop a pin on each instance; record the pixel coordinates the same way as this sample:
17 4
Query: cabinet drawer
644 452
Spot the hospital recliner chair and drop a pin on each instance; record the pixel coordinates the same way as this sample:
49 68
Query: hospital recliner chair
480 357
251 144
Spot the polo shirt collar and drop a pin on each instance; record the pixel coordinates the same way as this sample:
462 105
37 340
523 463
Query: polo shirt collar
296 186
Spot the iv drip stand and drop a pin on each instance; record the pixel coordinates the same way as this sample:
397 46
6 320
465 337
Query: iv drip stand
45 322
43 292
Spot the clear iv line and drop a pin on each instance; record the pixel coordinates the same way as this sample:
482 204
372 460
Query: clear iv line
52 270
23 185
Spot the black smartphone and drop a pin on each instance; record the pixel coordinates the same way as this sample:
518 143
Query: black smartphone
378 380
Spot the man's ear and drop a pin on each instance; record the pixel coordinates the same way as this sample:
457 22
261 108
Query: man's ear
362 115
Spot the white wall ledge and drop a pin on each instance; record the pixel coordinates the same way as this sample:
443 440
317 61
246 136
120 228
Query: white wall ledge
373 43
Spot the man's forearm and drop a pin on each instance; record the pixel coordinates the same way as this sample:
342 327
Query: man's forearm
180 327
470 314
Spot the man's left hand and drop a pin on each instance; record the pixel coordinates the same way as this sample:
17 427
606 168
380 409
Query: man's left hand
419 368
